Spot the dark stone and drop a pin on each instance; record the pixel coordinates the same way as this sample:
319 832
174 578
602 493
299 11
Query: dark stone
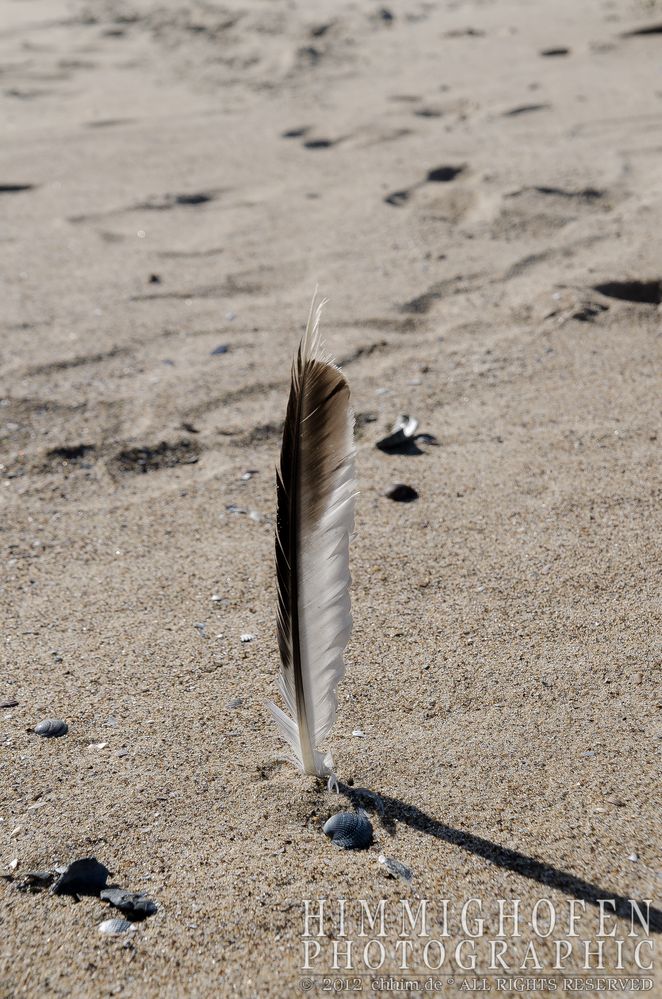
82 877
401 493
134 905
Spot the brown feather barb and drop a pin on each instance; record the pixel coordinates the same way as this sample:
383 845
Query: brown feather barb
315 518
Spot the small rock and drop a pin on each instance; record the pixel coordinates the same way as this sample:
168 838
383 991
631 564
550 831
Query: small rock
9 704
634 857
221 349
247 637
82 877
401 493
51 728
115 926
135 905
443 174
358 734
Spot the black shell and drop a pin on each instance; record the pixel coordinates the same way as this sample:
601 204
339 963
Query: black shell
51 728
349 830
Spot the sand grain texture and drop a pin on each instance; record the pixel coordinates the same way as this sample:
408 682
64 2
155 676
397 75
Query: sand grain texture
176 179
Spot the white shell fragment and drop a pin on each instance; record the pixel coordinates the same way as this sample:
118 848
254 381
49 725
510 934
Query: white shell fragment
247 637
395 869
403 431
349 830
115 926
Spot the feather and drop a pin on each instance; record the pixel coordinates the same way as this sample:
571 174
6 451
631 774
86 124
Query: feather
316 487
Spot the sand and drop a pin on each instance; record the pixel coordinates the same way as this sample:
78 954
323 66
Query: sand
458 196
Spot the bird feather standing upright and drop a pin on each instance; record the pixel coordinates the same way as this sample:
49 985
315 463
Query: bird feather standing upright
316 487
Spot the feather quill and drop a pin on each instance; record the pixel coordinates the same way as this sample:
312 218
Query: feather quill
316 487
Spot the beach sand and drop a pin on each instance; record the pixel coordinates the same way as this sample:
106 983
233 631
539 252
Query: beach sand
176 180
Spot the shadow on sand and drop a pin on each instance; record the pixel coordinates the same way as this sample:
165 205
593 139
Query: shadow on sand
391 810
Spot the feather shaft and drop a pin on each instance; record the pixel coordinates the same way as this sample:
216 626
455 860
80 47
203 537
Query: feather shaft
315 517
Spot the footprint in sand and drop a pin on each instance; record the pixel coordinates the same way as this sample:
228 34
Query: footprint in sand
140 460
539 210
438 175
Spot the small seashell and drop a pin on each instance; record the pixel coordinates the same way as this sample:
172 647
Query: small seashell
115 926
395 869
349 830
247 637
402 432
358 733
51 728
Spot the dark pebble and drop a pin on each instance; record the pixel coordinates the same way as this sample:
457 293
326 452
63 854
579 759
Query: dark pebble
82 877
51 728
401 493
134 905
222 349
442 174
9 704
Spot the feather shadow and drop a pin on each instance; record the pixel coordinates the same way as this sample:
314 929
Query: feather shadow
392 811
